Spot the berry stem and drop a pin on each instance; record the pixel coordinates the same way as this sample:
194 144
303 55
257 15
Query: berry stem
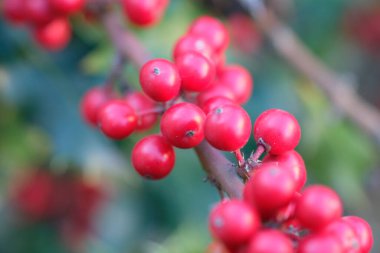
155 110
239 157
254 158
116 71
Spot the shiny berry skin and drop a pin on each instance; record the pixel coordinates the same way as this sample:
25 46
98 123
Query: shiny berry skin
345 234
160 80
215 102
192 43
183 125
363 232
213 32
153 157
228 127
117 119
144 13
39 11
196 71
91 103
318 243
54 35
293 162
270 241
14 11
142 103
279 129
67 7
271 187
233 222
318 207
238 80
215 90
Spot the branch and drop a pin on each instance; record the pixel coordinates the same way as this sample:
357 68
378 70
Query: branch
340 92
218 168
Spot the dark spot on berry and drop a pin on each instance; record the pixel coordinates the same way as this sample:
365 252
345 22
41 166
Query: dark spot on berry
156 71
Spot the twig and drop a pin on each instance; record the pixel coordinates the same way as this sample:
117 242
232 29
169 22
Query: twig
341 93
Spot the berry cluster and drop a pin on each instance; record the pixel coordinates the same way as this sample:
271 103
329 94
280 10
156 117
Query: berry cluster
275 215
47 18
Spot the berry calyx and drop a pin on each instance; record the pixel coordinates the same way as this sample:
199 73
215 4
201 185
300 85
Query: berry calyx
196 71
318 207
182 125
228 127
160 80
278 129
153 157
53 35
233 222
117 119
91 103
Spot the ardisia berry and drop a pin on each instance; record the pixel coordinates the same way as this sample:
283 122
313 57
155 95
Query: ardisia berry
160 80
54 35
153 157
215 90
345 234
215 102
270 241
14 11
144 13
278 129
363 232
182 125
39 11
318 243
91 103
144 108
67 7
192 43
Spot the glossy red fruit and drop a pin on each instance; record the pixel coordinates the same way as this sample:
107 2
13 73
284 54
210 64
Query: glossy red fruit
144 13
293 162
270 241
160 80
196 71
67 7
153 157
142 104
271 188
318 243
288 212
279 129
215 90
345 234
192 43
215 102
54 35
228 127
39 11
14 11
117 119
238 80
363 232
233 222
183 125
318 207
213 32
91 103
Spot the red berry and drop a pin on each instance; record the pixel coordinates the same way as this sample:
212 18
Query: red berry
39 11
215 102
345 234
153 157
293 162
215 90
196 71
238 80
279 129
213 32
182 125
160 80
318 207
233 222
144 13
54 35
141 103
318 243
363 232
117 119
228 127
271 188
192 43
288 212
270 241
67 7
91 103
14 11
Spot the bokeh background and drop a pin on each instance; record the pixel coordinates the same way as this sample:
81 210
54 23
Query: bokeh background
64 187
